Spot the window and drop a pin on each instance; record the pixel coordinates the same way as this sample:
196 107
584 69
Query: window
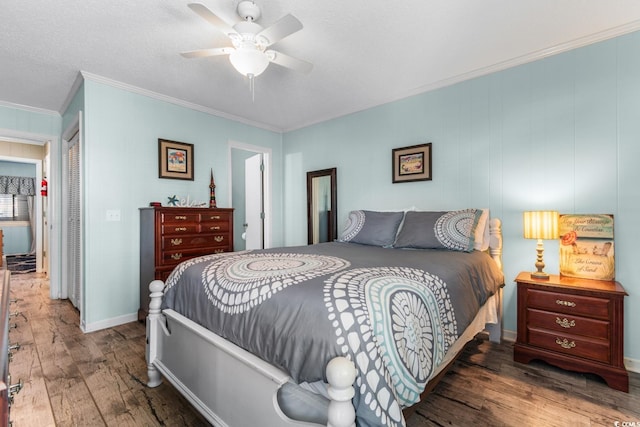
13 208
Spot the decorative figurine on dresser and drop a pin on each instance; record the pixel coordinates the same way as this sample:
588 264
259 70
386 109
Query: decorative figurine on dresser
170 235
575 324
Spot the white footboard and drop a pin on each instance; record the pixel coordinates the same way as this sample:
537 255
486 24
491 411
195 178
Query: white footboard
226 384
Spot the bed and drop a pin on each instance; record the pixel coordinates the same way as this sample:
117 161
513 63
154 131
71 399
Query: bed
343 333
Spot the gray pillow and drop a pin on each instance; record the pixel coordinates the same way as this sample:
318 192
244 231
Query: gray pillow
453 230
372 228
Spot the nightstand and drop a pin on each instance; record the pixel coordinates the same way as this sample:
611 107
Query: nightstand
575 324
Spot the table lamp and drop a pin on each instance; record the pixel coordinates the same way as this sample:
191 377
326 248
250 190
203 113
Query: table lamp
540 225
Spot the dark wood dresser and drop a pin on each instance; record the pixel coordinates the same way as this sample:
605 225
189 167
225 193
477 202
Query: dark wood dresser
170 235
575 324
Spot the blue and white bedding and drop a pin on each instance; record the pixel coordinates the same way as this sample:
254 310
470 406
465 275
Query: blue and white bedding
393 312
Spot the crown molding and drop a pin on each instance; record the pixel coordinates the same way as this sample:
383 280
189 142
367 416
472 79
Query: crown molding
134 89
29 108
501 66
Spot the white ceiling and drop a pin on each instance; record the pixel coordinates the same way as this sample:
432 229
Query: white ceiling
365 52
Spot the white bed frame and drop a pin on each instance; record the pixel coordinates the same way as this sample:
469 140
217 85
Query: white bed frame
231 387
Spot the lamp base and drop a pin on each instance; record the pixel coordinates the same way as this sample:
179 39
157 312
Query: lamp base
539 275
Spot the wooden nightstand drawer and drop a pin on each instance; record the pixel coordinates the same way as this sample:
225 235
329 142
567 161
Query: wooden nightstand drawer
569 303
561 323
573 323
571 344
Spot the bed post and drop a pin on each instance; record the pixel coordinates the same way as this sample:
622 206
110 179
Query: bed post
153 331
341 373
495 250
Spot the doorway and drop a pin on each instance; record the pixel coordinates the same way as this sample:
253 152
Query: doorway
250 193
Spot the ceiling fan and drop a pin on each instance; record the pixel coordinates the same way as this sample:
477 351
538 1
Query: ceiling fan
249 54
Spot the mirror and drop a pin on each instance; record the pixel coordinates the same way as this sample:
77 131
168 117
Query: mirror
322 201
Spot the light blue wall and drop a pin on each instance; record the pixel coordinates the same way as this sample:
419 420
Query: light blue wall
29 121
560 133
121 173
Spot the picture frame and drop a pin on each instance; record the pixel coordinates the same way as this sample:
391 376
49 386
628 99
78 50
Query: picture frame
411 163
587 246
175 159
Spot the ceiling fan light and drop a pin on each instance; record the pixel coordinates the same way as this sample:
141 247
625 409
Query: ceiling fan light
249 61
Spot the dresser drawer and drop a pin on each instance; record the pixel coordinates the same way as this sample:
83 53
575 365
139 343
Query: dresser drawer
563 323
177 256
177 229
214 227
194 241
571 344
179 217
593 307
215 217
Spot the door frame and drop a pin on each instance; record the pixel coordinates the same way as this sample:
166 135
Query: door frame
267 159
53 200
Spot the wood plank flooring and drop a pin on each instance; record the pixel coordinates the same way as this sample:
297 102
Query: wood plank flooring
98 379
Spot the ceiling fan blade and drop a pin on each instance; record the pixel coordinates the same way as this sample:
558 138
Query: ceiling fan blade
289 61
285 26
223 23
202 53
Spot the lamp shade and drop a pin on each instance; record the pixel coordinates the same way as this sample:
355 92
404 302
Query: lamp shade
541 225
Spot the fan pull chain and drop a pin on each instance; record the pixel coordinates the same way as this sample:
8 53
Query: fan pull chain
252 87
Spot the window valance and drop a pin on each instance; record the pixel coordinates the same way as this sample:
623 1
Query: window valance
17 185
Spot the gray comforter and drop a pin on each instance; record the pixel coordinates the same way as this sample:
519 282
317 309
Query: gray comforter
393 312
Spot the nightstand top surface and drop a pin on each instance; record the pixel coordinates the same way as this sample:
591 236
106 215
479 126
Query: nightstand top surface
573 282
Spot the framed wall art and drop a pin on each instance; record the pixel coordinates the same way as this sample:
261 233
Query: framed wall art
175 159
586 246
411 163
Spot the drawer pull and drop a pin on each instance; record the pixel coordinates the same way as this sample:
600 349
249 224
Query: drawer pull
176 242
214 217
215 227
218 251
565 322
565 343
181 228
218 238
176 256
183 217
565 303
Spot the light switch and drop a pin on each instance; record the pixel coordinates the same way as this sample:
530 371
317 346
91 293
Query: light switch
113 215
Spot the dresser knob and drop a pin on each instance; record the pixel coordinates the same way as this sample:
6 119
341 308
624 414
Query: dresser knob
565 303
176 242
565 343
565 323
218 238
215 227
176 256
181 228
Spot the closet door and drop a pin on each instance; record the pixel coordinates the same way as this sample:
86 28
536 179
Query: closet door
74 224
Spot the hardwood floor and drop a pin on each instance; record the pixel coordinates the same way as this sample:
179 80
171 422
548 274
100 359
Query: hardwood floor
97 379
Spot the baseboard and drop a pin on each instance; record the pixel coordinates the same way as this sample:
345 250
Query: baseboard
109 323
509 336
632 365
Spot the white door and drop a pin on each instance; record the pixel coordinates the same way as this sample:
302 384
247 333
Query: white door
254 206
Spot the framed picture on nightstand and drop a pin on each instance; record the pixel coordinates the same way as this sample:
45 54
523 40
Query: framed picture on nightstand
586 246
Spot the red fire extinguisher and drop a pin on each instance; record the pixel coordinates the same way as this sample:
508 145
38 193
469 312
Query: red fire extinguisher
43 185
